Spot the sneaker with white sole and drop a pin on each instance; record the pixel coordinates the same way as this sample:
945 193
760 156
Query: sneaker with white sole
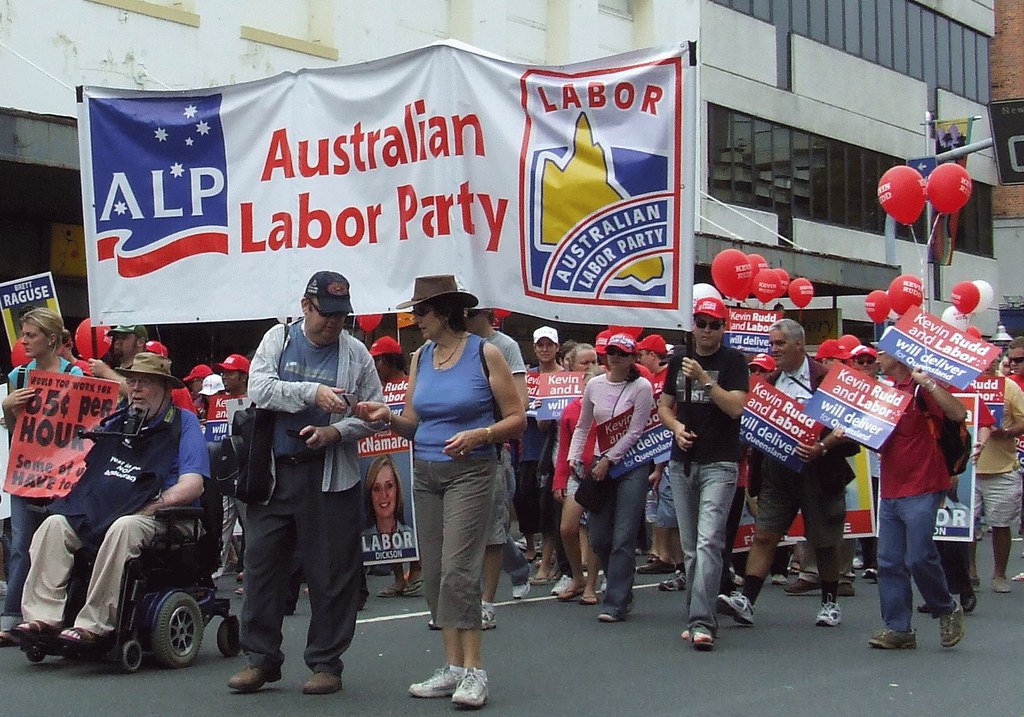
563 582
442 683
487 621
520 591
472 690
951 627
675 583
829 615
737 605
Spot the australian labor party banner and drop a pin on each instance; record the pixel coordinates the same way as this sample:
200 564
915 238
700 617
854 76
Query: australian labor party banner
923 341
385 464
866 409
552 191
774 424
47 455
20 295
747 329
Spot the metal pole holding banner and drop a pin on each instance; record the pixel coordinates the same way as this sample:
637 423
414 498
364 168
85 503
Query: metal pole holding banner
688 208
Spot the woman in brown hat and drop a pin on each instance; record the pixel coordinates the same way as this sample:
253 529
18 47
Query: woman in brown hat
461 401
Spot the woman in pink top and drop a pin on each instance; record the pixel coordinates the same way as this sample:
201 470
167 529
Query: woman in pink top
621 394
582 357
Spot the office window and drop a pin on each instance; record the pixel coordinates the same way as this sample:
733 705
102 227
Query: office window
914 49
984 83
763 10
928 40
799 17
899 36
836 37
942 52
956 58
851 21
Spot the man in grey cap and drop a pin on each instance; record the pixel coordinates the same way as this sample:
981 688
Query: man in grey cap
310 373
125 342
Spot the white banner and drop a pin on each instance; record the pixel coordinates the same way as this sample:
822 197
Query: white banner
554 192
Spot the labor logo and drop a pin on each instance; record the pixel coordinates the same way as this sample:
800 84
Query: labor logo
159 181
600 178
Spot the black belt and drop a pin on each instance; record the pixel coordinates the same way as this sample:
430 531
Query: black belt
299 459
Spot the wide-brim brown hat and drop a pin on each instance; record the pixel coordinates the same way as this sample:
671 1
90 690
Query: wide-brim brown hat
151 364
432 287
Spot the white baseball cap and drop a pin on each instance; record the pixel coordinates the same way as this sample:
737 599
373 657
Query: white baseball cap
545 332
212 385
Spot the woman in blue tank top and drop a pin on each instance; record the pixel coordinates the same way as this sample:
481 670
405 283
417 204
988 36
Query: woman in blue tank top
460 403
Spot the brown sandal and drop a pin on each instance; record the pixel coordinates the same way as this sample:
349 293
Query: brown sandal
79 636
32 628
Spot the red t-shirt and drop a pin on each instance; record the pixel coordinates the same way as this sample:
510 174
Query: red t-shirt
566 427
181 398
1019 380
912 462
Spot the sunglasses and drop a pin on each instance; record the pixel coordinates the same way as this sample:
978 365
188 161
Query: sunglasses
421 310
702 324
617 352
328 314
1013 360
864 361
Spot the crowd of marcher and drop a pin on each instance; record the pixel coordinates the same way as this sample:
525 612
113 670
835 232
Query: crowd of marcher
483 462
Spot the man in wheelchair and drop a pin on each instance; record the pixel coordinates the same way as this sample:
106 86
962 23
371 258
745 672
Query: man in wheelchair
148 455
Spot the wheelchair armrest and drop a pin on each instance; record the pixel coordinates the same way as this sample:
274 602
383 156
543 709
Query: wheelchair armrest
179 512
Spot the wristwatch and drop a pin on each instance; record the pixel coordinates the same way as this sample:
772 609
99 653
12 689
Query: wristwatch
709 385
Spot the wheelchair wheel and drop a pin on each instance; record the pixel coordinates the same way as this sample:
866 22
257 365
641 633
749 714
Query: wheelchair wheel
177 631
35 653
131 656
227 637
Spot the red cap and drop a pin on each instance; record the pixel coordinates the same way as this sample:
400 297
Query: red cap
385 345
633 331
158 348
198 372
623 342
863 350
765 361
715 308
832 349
234 362
601 342
654 343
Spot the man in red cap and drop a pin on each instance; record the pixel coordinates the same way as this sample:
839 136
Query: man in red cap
194 380
701 404
761 364
235 372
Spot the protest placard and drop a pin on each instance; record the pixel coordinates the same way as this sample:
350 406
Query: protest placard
955 518
923 341
20 294
991 391
555 391
774 424
385 464
865 408
747 329
5 450
217 417
47 455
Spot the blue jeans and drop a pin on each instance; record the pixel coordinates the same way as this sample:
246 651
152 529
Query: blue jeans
613 534
905 549
24 522
703 499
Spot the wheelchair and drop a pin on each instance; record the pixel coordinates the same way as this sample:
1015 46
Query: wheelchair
166 600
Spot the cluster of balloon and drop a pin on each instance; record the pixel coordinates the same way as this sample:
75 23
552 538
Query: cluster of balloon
902 191
91 341
968 297
737 275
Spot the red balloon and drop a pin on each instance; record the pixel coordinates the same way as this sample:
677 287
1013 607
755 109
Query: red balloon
849 342
905 291
801 291
502 314
974 332
732 273
368 322
877 305
157 348
901 193
965 297
91 341
18 355
757 262
766 285
783 280
949 188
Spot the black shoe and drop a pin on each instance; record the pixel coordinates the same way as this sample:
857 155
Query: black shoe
968 601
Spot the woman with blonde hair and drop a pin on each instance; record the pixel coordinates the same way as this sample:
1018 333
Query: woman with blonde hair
41 337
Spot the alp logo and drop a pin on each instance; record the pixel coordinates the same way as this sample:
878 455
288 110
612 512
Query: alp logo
159 181
599 175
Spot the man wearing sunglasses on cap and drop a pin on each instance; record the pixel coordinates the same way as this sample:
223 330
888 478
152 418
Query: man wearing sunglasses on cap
1015 356
705 456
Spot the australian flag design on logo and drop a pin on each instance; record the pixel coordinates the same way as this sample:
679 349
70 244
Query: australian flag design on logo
159 181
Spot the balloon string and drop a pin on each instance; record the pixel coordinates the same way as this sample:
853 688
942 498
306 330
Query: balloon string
922 254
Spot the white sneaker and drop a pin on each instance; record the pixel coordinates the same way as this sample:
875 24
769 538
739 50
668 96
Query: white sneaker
561 585
487 621
829 615
443 683
520 591
472 690
737 605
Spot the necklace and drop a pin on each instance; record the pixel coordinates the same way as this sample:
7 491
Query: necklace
439 364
